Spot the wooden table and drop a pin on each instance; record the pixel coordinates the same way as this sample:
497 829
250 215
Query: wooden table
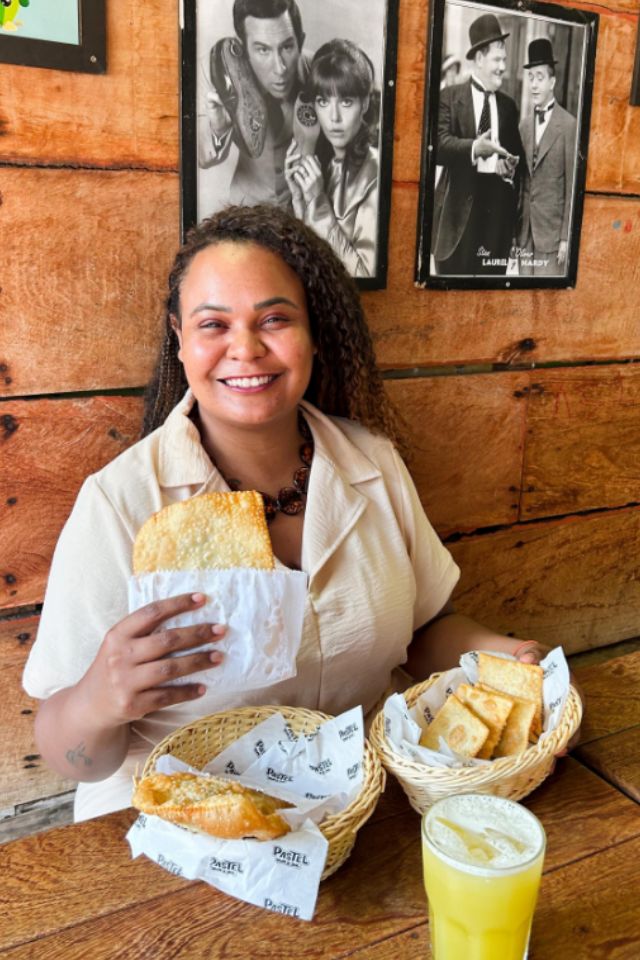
74 893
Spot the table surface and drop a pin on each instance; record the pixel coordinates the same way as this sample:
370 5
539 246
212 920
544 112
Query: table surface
74 892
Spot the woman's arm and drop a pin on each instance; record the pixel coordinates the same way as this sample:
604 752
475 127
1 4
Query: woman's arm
439 644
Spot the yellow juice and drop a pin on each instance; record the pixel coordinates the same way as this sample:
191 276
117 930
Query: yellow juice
482 864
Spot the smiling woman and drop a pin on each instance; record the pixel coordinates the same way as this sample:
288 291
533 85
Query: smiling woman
266 381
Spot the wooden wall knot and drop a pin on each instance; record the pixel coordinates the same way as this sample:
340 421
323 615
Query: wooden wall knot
9 425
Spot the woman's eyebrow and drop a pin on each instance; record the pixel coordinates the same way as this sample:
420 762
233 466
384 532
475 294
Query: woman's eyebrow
272 302
210 306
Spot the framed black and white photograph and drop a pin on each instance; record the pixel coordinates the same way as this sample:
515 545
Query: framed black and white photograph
60 35
291 102
505 143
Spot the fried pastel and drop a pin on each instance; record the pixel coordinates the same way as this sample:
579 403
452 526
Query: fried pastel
516 679
492 708
459 727
213 531
515 736
218 807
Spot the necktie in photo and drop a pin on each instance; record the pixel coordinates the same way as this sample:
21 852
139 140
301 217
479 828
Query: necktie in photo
485 114
541 112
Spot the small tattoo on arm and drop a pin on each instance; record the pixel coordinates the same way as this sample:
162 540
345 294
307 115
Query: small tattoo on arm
78 757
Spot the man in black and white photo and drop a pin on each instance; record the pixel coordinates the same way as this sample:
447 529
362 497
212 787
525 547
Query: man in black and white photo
549 138
251 90
481 155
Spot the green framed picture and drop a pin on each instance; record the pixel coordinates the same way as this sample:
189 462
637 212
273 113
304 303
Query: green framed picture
67 35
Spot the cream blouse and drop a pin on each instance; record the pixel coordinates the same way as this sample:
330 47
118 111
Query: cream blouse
377 571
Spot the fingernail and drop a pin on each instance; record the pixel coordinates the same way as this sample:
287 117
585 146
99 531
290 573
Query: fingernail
200 692
218 629
198 597
215 657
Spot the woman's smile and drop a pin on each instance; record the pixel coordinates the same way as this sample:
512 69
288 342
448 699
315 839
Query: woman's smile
252 383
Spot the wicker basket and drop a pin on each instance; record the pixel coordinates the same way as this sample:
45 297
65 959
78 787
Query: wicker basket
199 742
511 777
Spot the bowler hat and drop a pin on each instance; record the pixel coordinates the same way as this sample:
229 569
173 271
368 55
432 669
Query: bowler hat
540 51
486 29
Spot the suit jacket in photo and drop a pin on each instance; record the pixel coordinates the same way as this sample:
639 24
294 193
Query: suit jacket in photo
548 184
460 181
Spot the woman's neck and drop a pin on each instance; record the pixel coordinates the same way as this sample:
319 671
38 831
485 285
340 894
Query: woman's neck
261 457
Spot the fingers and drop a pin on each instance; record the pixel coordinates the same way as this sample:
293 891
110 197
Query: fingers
164 642
148 618
160 697
160 672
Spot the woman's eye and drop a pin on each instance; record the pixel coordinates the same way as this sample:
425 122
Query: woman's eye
273 321
211 325
322 101
346 102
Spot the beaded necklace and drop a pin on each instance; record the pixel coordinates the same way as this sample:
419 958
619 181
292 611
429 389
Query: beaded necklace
290 500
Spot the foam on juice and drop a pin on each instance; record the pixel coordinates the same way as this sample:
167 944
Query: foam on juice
484 832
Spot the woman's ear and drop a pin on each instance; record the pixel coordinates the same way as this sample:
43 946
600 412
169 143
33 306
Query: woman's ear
365 105
175 326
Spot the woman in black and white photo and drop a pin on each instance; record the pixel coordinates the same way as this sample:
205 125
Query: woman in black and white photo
332 164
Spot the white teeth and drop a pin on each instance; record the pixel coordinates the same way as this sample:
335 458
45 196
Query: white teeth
246 382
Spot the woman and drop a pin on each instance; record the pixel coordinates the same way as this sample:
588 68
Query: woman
265 346
335 190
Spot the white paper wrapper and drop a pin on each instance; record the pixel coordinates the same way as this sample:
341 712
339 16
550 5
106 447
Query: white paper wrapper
404 726
321 773
262 610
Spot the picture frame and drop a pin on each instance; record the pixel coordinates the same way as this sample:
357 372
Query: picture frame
239 118
634 98
507 219
67 35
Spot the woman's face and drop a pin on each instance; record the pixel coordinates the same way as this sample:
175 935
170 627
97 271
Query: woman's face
340 118
245 340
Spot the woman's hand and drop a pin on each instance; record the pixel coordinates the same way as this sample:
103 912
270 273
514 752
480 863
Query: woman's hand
530 651
125 681
308 176
291 163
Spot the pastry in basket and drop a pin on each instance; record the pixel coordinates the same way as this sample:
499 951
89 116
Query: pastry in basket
516 679
218 807
490 707
464 733
213 531
515 736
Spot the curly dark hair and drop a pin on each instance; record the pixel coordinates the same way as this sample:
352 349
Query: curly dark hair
345 381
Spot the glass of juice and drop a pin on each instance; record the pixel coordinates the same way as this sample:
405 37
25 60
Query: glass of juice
482 858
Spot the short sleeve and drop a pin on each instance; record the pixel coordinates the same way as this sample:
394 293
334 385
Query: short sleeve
86 593
436 571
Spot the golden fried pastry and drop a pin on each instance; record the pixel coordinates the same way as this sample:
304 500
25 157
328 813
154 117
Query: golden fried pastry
489 706
213 531
219 807
515 736
459 727
516 679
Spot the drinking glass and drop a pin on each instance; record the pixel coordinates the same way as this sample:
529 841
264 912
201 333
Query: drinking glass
482 858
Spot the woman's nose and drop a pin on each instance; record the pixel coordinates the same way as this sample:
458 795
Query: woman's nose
246 345
335 111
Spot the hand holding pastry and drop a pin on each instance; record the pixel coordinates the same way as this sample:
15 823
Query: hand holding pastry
126 680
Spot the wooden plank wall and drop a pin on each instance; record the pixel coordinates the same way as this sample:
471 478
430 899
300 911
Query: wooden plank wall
523 406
